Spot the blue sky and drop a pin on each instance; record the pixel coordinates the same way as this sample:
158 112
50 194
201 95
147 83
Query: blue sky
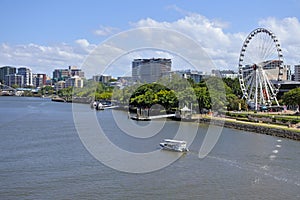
54 34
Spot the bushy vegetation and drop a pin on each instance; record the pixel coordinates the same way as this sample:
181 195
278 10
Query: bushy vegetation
292 97
174 93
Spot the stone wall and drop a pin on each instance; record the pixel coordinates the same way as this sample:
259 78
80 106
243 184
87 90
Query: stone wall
278 132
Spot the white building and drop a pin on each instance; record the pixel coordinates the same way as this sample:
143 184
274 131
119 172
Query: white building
27 74
75 81
228 74
102 78
150 70
74 71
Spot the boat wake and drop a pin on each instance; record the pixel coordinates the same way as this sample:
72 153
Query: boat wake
265 170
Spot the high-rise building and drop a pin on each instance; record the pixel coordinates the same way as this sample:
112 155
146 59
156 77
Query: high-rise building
14 79
60 74
39 80
287 68
150 70
75 81
102 78
74 71
64 74
27 74
297 73
6 70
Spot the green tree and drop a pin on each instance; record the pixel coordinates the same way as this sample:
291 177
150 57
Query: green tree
15 86
123 95
100 88
217 92
166 98
153 93
234 102
292 97
234 84
186 97
66 93
47 90
203 98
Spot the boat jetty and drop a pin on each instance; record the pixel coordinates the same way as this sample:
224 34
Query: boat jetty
148 118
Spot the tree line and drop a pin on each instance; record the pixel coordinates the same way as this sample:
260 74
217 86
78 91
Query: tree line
174 93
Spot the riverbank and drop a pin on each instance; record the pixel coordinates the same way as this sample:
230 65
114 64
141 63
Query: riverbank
267 129
276 130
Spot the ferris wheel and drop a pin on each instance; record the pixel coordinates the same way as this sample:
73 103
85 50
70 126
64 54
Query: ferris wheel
260 62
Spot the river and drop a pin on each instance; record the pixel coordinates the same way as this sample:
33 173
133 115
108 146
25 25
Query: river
43 157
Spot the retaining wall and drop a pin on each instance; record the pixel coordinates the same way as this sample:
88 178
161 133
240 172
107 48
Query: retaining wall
278 132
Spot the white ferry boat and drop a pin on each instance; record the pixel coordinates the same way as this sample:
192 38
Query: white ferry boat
174 145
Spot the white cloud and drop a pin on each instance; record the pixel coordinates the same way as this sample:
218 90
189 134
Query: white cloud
43 59
105 30
84 46
208 32
223 47
116 53
82 42
287 31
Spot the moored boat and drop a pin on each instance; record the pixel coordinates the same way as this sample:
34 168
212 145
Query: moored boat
58 99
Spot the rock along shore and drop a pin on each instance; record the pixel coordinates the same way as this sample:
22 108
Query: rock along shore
266 129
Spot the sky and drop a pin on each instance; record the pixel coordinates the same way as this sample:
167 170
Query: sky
46 35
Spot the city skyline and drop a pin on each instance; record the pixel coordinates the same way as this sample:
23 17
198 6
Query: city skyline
49 35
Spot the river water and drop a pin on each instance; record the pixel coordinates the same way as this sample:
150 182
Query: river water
43 157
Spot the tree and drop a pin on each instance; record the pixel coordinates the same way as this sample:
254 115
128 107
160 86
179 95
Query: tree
234 84
15 86
217 92
123 95
47 90
100 88
186 97
166 98
292 97
103 96
150 94
203 98
234 103
66 93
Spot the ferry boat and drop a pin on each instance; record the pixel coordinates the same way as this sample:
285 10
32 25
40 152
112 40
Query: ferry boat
174 145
